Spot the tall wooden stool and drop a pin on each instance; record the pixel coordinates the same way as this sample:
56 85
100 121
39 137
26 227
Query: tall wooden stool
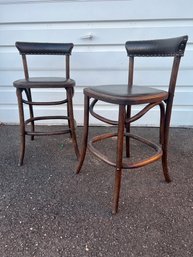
127 95
24 92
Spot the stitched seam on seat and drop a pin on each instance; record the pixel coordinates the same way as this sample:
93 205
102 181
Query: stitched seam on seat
158 55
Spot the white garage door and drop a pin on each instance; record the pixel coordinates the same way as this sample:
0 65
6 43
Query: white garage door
98 30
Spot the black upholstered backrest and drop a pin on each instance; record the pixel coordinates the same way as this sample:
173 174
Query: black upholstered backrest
170 47
158 47
36 48
44 48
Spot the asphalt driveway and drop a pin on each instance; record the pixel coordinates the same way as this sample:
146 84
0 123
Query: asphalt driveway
46 210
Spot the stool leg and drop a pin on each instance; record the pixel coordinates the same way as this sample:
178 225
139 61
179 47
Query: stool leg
162 117
85 133
128 131
69 114
118 172
71 121
165 161
22 126
29 97
165 143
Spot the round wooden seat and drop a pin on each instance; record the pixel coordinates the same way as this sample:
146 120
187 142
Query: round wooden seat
121 94
44 82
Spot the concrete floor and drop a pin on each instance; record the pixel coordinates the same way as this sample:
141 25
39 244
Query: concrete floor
46 210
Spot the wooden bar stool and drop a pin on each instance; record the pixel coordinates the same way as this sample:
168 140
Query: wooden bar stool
127 95
24 92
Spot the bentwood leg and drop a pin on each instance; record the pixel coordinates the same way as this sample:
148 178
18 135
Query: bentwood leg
85 133
165 142
29 97
68 112
71 119
118 172
164 162
162 118
128 131
22 126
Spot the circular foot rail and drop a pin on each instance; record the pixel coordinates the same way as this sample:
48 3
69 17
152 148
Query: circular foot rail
125 165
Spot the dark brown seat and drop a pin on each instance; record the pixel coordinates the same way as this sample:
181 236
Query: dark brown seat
127 95
24 92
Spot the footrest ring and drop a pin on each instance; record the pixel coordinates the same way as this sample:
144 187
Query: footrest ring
125 165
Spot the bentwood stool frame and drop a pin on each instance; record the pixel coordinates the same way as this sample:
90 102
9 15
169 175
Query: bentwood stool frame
127 95
24 92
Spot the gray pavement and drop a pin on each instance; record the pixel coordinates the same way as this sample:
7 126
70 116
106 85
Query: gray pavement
46 210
